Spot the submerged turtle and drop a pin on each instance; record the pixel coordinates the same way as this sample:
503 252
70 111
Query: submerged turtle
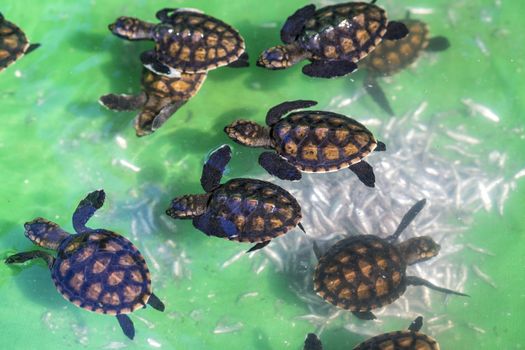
160 98
410 339
186 40
392 56
13 43
96 269
334 38
308 141
244 210
364 272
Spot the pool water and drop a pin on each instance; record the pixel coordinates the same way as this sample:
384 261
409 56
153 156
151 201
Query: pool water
457 139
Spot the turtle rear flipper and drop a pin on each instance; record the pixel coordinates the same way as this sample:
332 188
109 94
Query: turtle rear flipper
329 69
295 23
364 172
214 168
86 208
25 256
276 112
127 325
31 48
364 315
155 302
438 43
278 166
416 325
376 92
258 246
123 102
396 30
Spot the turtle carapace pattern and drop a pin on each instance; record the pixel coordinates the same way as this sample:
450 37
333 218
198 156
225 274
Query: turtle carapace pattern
364 272
411 339
160 98
95 269
308 141
186 41
13 43
244 210
334 38
393 56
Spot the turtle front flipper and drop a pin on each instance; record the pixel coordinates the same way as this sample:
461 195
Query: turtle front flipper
86 208
242 61
123 102
258 246
45 233
329 69
407 219
396 30
150 61
437 43
295 23
277 166
418 281
277 112
35 254
364 172
375 91
155 302
31 48
364 315
127 325
416 325
214 168
148 120
312 342
165 14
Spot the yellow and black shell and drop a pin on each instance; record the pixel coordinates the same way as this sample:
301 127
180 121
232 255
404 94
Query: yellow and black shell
102 271
400 340
346 31
394 55
361 273
257 211
195 42
13 43
319 141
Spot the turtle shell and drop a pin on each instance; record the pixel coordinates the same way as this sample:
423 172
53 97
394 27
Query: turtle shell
394 55
259 210
102 271
13 43
194 42
172 89
346 31
361 273
400 340
318 141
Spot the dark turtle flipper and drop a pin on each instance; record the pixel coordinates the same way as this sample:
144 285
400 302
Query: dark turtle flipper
364 172
31 48
395 31
301 227
35 254
416 325
214 167
276 112
278 166
165 14
155 302
438 43
127 325
381 147
123 102
1 17
407 219
258 246
45 233
418 281
375 91
86 208
312 342
329 69
364 315
165 113
295 23
150 61
242 61
202 223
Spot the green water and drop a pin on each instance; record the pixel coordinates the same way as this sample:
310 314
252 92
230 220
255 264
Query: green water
57 144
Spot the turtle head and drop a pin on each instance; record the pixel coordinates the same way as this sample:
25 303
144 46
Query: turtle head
418 249
45 233
248 133
188 206
131 28
280 57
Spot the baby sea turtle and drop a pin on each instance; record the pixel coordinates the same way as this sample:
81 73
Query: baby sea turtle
410 339
244 210
96 269
308 141
160 98
392 56
186 40
334 38
13 43
364 272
